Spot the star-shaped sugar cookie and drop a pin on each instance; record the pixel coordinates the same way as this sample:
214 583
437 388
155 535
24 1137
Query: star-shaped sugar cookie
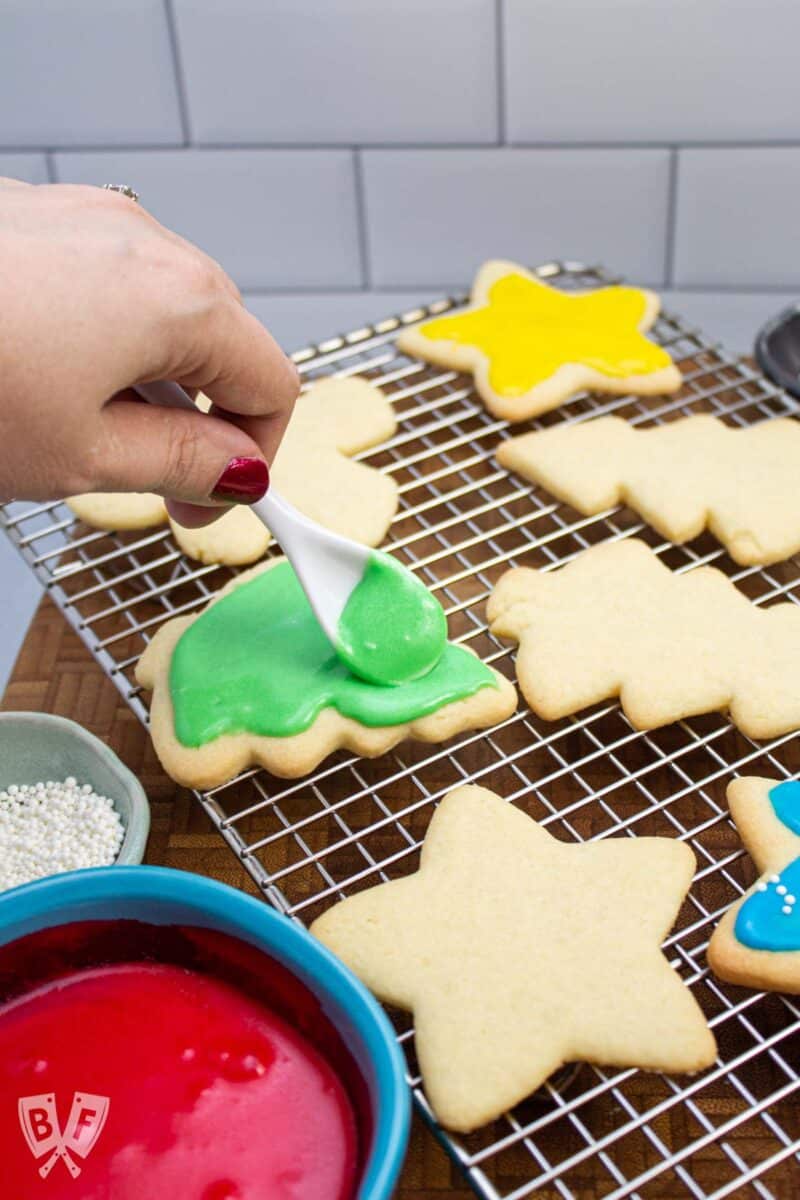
332 421
757 942
517 953
683 476
531 346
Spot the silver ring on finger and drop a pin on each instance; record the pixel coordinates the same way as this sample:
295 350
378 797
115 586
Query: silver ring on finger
123 190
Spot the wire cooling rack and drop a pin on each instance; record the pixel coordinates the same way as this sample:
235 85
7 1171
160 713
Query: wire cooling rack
733 1130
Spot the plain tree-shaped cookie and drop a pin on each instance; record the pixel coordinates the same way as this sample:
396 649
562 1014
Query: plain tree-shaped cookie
221 677
517 953
616 622
682 477
334 420
757 942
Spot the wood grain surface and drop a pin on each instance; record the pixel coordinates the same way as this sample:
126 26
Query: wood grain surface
55 673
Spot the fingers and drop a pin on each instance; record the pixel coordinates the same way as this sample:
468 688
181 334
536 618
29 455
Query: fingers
219 347
193 516
266 432
189 249
196 329
183 455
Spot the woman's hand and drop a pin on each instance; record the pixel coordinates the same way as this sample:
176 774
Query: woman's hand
95 297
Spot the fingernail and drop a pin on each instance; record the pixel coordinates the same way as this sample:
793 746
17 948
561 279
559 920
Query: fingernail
243 481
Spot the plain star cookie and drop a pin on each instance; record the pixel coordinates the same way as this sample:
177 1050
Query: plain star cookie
616 622
757 942
531 346
682 477
517 953
334 420
252 679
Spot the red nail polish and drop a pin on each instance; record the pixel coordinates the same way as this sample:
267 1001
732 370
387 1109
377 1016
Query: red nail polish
243 481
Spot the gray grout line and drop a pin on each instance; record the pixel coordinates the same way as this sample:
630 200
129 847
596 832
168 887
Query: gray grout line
500 62
180 79
196 144
672 211
732 289
565 144
649 144
702 289
105 148
361 217
357 290
668 281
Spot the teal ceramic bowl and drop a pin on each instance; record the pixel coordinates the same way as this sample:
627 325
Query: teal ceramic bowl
36 746
158 896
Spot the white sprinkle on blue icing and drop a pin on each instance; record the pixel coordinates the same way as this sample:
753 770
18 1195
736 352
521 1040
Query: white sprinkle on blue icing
769 918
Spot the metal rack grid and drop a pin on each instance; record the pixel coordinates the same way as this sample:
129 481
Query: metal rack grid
463 520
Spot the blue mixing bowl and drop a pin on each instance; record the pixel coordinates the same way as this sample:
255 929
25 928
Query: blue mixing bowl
160 896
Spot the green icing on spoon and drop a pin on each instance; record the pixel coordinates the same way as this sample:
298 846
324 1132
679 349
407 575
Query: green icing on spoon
257 662
392 630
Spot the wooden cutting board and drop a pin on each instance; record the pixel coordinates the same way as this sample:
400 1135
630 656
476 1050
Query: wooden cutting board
55 673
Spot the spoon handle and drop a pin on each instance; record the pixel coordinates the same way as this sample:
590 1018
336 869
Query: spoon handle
166 394
328 565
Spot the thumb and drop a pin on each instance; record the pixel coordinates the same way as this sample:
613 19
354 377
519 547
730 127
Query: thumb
184 455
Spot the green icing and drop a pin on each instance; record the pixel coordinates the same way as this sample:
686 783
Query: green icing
257 662
392 629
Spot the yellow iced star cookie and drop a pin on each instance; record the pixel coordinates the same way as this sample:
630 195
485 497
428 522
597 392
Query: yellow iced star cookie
518 953
531 346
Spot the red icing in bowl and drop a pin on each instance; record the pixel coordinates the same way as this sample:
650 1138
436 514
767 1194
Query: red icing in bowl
212 1094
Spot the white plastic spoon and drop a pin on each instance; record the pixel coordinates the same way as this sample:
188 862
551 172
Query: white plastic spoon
383 623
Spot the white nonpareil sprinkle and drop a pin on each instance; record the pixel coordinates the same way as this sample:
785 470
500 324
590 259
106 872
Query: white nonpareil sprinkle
50 827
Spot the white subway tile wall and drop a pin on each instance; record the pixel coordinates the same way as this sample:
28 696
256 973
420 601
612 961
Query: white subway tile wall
30 168
338 157
433 216
87 73
346 160
272 218
344 72
737 217
305 318
651 70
